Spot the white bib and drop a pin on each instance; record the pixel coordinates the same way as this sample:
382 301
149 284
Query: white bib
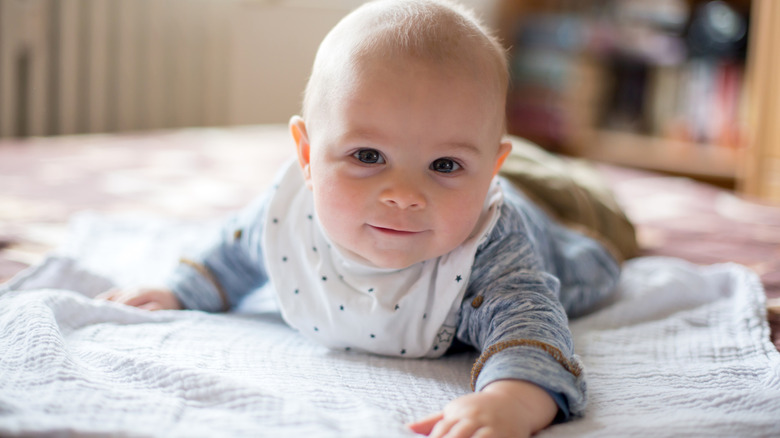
346 304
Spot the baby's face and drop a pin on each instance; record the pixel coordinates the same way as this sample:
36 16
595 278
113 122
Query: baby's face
401 163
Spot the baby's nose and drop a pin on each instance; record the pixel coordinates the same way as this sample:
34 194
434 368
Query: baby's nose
403 194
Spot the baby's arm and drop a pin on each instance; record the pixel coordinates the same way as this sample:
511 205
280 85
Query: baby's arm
228 266
527 367
504 408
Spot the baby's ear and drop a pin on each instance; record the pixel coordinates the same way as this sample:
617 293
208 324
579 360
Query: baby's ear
302 146
503 151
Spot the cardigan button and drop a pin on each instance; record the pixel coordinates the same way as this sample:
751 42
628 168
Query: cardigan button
477 301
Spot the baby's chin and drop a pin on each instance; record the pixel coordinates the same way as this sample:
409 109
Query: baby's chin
395 265
393 255
391 260
398 261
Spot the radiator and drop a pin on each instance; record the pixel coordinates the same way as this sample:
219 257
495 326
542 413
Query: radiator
79 66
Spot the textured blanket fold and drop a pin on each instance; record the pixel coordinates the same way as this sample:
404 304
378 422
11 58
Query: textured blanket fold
682 350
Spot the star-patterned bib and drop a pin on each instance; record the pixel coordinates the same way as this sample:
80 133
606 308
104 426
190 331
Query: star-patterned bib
345 304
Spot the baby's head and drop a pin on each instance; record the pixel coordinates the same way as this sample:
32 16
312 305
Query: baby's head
401 132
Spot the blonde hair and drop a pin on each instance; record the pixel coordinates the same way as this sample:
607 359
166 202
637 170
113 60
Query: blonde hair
435 31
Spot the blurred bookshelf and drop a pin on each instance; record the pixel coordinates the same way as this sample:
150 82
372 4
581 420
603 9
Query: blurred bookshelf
655 84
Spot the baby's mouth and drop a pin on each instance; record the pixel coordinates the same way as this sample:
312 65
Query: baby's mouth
393 231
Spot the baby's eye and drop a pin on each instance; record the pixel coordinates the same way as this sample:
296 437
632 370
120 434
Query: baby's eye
369 156
444 165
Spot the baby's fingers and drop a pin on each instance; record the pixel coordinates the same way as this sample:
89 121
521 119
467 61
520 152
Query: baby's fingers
143 298
443 427
467 429
138 298
132 297
484 433
425 426
152 305
109 295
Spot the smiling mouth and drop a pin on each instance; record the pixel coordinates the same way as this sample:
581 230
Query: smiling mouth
394 232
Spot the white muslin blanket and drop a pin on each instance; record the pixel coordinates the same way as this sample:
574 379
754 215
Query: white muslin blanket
682 350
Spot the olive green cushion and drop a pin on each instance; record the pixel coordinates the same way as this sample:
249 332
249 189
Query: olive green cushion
573 192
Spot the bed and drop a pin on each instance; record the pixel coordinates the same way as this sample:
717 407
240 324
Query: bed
686 347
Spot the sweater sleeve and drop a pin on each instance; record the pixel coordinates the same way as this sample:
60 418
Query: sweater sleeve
527 277
228 265
514 318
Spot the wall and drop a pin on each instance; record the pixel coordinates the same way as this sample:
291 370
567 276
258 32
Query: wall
80 66
274 43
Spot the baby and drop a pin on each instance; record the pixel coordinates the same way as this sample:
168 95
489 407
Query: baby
392 233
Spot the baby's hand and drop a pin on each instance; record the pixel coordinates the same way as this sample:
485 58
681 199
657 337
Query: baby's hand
143 298
505 408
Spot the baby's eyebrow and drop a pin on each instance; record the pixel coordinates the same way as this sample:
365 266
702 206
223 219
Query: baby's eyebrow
463 146
357 134
375 135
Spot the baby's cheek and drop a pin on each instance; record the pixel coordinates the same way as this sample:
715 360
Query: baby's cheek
338 215
341 205
460 219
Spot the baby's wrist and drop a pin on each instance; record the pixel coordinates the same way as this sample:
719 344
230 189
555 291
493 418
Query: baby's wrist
532 399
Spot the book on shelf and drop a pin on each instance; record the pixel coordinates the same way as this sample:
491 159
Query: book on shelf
700 101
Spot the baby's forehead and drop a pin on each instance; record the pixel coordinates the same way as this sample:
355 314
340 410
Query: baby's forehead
364 45
388 30
390 33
